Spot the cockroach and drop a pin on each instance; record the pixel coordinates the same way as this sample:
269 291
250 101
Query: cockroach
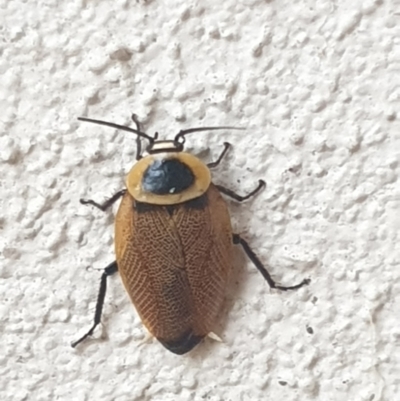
174 240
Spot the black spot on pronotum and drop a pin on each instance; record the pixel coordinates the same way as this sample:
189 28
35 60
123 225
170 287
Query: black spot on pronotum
164 177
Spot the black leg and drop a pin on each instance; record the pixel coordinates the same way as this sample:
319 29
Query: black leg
105 205
108 271
239 198
138 140
237 239
220 157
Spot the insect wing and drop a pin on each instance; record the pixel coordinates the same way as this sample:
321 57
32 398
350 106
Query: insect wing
175 262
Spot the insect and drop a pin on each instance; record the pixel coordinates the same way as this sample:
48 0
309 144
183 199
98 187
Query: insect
174 240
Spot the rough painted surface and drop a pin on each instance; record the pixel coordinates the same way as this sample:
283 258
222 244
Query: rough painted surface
318 86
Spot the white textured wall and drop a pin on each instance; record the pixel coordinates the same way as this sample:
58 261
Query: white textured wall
317 83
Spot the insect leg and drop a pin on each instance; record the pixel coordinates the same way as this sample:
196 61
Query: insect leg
105 205
220 157
108 271
138 141
239 198
237 239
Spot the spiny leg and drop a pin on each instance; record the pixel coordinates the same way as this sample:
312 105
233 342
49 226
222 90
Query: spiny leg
220 157
108 271
105 205
239 198
237 239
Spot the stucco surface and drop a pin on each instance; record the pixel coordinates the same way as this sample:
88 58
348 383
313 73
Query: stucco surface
316 84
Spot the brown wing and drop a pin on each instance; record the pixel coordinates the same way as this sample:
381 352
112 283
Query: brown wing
175 262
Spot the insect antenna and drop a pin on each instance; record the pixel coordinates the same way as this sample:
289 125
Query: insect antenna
181 135
117 126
